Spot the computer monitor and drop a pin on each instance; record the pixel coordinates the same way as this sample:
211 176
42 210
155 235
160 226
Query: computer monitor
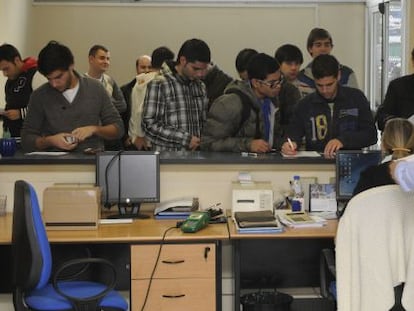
127 179
349 165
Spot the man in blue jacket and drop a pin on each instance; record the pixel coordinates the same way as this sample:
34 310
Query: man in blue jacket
334 117
320 42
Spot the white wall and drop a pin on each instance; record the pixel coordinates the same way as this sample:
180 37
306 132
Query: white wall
131 30
14 18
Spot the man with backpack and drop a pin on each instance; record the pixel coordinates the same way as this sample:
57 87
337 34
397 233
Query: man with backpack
243 119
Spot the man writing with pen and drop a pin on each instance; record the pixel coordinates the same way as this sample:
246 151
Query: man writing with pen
244 118
334 117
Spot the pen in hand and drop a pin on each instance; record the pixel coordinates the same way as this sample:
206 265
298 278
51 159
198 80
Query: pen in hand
291 144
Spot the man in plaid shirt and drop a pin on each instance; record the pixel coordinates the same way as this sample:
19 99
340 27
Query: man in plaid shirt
175 104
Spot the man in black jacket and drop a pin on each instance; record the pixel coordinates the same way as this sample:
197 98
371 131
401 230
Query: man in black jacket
22 79
332 118
399 100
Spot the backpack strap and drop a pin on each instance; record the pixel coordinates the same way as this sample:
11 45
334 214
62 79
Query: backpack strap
246 109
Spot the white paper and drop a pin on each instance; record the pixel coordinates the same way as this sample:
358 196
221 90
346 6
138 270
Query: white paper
48 153
115 221
303 154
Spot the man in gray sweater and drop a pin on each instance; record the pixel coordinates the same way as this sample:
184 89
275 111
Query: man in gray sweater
70 112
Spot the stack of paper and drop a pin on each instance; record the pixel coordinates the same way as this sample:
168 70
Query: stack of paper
301 220
173 213
176 209
257 222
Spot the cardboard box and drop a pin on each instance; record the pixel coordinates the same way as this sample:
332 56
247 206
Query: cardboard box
71 207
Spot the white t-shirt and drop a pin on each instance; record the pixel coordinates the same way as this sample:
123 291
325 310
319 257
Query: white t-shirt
71 93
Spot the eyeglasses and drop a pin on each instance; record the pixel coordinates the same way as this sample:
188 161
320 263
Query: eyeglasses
274 83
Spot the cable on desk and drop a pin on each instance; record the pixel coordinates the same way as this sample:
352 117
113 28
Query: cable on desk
155 265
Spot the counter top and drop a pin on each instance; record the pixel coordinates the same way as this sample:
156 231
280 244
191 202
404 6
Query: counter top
151 230
140 230
179 157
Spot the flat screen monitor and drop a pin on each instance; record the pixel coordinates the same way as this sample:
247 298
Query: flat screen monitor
349 165
127 179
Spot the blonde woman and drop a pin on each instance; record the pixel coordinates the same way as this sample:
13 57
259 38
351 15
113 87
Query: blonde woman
398 141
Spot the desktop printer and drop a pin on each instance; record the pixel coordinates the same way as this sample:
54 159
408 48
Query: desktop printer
252 197
71 207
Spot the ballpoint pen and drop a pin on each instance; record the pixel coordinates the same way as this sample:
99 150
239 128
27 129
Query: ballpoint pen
290 144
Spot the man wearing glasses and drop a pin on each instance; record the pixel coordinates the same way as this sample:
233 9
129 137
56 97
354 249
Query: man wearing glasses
320 42
175 104
243 119
332 118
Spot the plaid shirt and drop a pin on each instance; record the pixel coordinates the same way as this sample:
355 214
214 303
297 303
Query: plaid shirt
175 109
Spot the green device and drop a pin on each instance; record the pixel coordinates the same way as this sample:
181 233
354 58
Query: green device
195 222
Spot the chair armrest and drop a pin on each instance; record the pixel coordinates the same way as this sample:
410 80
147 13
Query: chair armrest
327 271
94 300
329 255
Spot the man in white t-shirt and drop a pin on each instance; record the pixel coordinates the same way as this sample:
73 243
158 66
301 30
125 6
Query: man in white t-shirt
70 112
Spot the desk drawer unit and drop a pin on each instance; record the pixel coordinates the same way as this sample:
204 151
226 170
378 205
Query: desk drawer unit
185 277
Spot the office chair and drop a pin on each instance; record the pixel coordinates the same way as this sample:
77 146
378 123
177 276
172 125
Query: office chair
375 251
327 273
33 286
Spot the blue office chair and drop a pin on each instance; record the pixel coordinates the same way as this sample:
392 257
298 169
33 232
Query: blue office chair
327 273
33 286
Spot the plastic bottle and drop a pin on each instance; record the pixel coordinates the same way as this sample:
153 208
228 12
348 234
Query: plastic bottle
6 133
298 195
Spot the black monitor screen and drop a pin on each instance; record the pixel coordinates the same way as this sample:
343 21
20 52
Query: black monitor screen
349 165
132 177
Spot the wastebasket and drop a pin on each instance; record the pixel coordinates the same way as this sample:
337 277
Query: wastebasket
266 301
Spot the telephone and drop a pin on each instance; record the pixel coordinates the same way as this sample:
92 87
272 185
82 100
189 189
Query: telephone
178 205
195 222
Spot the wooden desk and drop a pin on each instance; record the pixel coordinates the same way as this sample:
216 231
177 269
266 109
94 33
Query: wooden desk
6 228
198 257
253 254
326 232
275 260
140 230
